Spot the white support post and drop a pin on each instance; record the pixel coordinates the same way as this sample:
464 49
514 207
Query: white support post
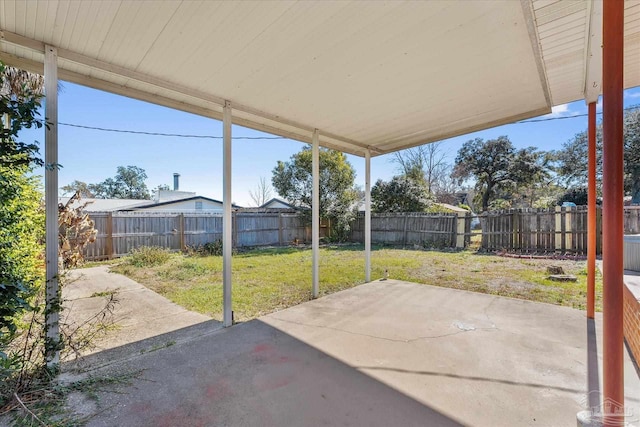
227 231
315 214
51 206
367 216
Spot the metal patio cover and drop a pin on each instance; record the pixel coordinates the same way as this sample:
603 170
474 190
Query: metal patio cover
368 75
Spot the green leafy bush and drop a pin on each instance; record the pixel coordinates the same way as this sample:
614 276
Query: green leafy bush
21 233
208 249
148 256
21 214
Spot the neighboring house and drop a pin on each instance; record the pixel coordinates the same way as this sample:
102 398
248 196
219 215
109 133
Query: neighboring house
107 205
276 203
174 201
192 204
168 195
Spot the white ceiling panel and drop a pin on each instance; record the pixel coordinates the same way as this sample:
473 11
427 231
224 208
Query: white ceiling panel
369 75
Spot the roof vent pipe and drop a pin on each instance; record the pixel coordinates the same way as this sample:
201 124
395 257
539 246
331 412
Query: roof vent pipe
176 181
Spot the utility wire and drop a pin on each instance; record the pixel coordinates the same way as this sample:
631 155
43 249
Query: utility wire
547 119
180 135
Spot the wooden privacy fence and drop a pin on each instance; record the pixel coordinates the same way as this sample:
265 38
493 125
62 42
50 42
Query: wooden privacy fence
121 232
555 230
427 230
559 229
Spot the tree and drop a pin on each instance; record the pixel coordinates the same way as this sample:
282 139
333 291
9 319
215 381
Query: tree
401 194
631 125
446 188
19 109
127 184
496 165
533 180
79 187
262 193
424 163
293 181
572 161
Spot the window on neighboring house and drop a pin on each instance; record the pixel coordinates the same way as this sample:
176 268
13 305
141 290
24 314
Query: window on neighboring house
199 206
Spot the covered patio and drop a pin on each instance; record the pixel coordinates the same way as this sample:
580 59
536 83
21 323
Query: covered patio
381 354
363 78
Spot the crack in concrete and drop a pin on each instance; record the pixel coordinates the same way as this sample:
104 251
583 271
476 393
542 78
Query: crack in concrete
486 309
426 337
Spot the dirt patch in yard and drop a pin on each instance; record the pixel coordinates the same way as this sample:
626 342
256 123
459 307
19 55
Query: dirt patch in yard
524 278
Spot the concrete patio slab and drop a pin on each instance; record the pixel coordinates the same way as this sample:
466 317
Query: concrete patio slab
139 313
381 354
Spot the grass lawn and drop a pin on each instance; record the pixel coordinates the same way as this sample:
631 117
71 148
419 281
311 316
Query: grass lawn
267 280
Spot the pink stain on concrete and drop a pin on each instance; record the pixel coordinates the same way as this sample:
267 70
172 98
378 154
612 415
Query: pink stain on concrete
270 354
180 417
219 390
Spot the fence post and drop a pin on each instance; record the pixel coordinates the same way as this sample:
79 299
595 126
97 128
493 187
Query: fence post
404 233
280 228
182 242
110 235
461 223
515 230
558 229
234 229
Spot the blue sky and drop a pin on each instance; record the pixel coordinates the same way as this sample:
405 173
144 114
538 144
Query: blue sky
92 156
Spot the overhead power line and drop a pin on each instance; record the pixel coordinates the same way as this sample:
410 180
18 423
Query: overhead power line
176 135
548 119
182 135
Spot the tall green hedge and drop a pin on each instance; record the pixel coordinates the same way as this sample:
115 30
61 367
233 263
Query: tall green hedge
21 214
21 249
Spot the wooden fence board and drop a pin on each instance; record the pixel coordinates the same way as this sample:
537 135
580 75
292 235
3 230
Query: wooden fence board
121 232
562 230
412 229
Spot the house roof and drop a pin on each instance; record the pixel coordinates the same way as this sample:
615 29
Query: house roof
381 76
186 199
106 205
451 207
112 205
277 200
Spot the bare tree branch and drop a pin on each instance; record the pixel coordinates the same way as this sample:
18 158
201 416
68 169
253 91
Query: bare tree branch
426 162
262 193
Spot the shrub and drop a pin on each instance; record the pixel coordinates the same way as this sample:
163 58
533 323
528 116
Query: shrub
148 256
208 249
211 248
21 216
